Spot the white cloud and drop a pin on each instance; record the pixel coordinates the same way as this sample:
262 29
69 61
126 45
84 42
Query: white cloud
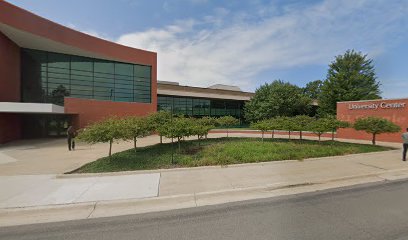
216 49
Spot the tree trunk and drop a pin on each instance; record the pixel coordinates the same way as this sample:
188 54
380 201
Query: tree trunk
289 135
319 137
332 135
134 143
110 147
373 138
300 134
161 139
273 133
262 136
227 132
179 143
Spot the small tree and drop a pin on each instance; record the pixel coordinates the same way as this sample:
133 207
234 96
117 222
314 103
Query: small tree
376 125
209 122
301 123
136 127
158 119
202 126
227 122
333 124
108 130
288 124
263 126
178 128
277 123
318 127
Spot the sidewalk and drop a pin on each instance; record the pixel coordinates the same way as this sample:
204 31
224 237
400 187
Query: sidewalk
55 197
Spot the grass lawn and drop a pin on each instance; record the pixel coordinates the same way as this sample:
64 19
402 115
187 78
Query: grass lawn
222 151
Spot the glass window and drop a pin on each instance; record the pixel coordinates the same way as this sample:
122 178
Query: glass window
56 60
124 69
44 73
104 67
142 71
81 63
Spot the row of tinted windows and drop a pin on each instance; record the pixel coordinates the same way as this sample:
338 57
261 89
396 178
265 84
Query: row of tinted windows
46 75
199 106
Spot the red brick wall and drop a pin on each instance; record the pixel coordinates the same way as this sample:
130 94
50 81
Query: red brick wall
10 128
9 87
9 70
397 115
87 110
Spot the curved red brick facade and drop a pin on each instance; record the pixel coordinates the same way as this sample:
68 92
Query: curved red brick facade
85 110
395 110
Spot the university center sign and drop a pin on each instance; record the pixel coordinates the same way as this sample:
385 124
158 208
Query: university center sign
375 106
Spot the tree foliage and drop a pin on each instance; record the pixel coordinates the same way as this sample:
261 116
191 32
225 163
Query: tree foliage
135 127
350 77
202 126
227 122
263 126
301 123
276 99
313 89
333 124
158 119
107 130
375 126
319 127
178 128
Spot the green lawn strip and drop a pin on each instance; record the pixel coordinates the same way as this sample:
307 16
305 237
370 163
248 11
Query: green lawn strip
222 151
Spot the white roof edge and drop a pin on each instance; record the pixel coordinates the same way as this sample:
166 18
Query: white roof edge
202 95
375 100
20 107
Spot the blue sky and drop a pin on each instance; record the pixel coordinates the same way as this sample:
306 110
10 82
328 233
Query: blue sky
247 43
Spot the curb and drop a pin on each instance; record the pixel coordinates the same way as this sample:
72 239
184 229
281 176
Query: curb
88 210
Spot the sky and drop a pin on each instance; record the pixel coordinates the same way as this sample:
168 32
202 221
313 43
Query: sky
247 43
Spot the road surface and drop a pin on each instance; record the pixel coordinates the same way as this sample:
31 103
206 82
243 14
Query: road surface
374 211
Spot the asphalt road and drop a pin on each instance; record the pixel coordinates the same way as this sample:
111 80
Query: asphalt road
375 211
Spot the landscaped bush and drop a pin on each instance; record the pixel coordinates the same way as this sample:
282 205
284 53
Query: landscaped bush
158 119
134 128
375 126
227 122
106 131
300 123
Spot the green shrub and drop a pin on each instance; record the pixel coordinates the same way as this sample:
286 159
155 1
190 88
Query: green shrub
376 125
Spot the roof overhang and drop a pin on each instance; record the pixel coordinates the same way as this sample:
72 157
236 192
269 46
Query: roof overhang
28 40
202 95
28 30
40 108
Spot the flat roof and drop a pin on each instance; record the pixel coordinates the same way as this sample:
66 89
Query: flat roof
172 89
41 108
375 100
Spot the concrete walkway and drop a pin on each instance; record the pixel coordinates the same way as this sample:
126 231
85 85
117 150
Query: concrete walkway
98 195
42 190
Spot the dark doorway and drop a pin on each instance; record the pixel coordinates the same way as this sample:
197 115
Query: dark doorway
44 125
